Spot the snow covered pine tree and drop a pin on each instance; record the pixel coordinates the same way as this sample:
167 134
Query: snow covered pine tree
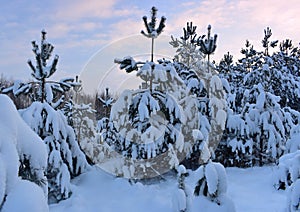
65 159
203 83
151 115
269 88
162 115
80 116
106 128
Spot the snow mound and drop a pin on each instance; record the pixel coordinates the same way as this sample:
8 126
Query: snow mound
25 196
294 197
288 170
19 142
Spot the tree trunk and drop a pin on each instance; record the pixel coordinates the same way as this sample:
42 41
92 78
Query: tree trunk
43 90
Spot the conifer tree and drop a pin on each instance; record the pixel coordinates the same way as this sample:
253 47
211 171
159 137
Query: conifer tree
80 116
263 98
152 32
208 45
152 120
65 159
203 83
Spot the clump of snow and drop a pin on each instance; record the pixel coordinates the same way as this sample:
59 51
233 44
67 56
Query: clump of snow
221 118
145 72
25 196
293 144
181 170
197 134
288 170
260 101
216 84
159 73
212 183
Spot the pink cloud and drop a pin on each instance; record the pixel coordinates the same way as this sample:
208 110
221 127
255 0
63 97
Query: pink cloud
76 10
236 21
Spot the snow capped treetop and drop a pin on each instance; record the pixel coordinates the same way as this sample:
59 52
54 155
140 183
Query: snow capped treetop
42 54
150 26
152 32
187 48
209 45
189 32
107 100
287 45
266 43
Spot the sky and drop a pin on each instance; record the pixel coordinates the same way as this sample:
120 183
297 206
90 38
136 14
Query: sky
88 35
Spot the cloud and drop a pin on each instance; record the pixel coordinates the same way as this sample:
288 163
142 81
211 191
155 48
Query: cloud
91 23
235 21
206 12
72 11
78 28
125 27
58 30
279 14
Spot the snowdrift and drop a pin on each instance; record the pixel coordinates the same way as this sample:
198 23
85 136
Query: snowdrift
17 143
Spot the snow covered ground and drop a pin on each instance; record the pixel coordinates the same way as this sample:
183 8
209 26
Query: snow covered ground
250 189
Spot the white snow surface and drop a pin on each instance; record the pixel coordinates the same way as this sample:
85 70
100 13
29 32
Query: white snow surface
179 200
26 196
251 190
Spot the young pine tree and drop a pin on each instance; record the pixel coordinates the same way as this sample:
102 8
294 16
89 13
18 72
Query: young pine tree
152 120
202 82
260 119
65 159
